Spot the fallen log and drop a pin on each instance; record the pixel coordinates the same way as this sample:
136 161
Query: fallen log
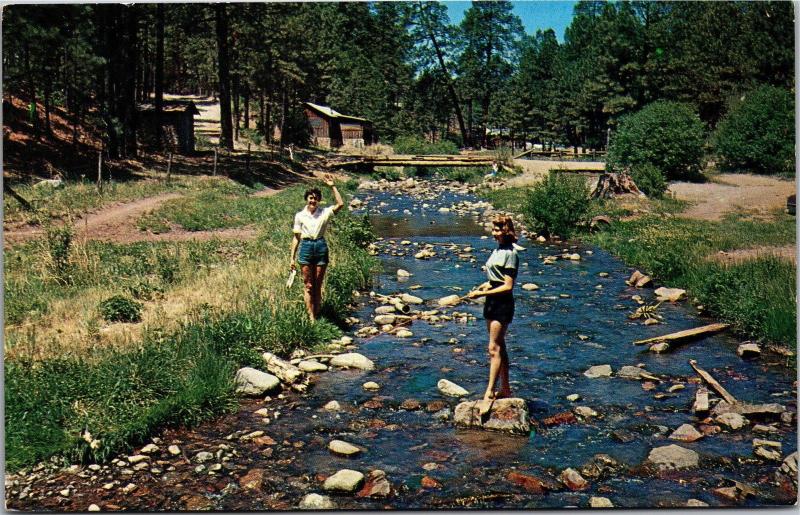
686 334
283 370
708 378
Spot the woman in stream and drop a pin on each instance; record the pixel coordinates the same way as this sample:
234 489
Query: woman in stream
309 237
501 270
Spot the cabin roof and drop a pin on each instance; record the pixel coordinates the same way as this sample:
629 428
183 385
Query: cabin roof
331 113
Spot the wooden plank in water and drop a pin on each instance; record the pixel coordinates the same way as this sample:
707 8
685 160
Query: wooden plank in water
686 334
730 399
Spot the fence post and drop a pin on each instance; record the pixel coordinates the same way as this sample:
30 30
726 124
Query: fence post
247 160
169 166
100 171
214 173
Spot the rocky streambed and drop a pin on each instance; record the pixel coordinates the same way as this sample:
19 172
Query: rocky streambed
371 422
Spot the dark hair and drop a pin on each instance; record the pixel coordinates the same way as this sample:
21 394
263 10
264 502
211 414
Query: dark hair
506 226
314 191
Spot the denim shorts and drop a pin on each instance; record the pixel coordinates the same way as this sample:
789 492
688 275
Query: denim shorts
499 307
313 252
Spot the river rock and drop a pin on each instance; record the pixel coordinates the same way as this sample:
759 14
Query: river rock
332 406
343 448
253 480
93 507
659 347
149 448
748 350
317 502
686 433
352 360
450 388
174 450
385 310
732 420
573 397
598 371
600 466
585 412
410 299
600 502
696 503
384 319
450 300
788 469
376 485
673 457
755 411
371 385
252 382
630 372
312 366
345 480
404 333
669 294
573 480
509 415
767 454
530 287
403 273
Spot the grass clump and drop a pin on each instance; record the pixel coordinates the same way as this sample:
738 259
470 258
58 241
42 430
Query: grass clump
120 309
557 205
417 146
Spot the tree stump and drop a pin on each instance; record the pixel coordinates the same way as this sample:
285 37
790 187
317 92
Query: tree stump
610 185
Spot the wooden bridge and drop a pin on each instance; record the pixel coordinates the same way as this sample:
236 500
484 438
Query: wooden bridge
414 160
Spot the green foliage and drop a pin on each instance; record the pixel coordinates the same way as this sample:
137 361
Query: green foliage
649 179
354 230
666 135
463 174
120 309
59 241
558 204
756 296
390 173
413 145
757 133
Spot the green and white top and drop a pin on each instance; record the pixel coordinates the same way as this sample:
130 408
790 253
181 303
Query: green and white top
503 261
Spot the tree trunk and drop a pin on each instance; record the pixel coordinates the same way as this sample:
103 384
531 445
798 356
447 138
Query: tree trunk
129 64
159 79
47 87
261 110
236 110
246 100
284 110
226 129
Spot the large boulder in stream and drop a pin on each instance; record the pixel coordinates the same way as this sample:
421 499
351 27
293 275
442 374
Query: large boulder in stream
508 415
252 382
673 457
450 388
345 480
352 360
755 411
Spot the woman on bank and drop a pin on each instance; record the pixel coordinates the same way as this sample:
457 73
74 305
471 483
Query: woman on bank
501 270
309 237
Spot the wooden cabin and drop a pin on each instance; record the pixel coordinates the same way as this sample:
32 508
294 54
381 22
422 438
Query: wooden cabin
177 121
331 129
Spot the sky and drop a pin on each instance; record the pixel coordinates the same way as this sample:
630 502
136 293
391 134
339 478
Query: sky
535 15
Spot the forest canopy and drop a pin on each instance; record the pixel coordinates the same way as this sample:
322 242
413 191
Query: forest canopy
403 65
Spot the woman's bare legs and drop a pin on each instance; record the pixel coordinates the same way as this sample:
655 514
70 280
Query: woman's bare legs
498 360
309 276
319 278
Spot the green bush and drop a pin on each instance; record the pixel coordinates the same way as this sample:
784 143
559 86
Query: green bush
667 135
355 230
757 133
649 179
557 205
120 309
417 146
59 242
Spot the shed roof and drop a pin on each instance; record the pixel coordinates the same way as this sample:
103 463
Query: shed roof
330 113
171 107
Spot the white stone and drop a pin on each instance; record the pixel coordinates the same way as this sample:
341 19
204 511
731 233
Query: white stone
573 397
93 507
129 488
312 366
450 388
352 360
670 294
673 457
252 382
317 502
384 319
174 450
600 502
332 406
630 372
149 448
404 333
686 433
345 480
410 299
748 350
732 420
585 411
659 347
530 287
450 300
403 273
371 385
598 371
696 503
203 456
343 448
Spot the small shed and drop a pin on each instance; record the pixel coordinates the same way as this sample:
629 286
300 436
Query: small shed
332 129
177 121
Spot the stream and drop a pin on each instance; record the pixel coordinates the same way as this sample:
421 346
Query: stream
574 320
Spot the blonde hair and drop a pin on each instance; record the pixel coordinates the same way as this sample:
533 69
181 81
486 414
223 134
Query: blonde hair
506 226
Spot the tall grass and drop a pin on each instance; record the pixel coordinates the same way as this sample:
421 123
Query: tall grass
174 374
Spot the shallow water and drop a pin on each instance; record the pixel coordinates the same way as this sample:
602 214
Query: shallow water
548 359
551 342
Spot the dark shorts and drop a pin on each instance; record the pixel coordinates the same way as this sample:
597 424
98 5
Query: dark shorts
313 252
499 307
